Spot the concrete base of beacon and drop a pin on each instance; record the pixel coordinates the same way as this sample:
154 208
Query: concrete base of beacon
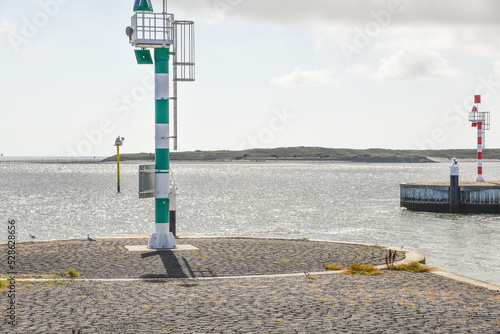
162 238
473 197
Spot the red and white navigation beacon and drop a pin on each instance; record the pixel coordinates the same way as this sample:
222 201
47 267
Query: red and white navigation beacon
481 121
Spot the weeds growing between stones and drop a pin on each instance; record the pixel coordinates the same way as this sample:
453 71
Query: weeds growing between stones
73 273
363 270
413 267
332 267
390 258
308 276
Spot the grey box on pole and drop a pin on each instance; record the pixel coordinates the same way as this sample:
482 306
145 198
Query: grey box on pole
147 181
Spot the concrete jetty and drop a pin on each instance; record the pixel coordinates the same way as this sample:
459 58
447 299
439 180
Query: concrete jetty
236 285
474 197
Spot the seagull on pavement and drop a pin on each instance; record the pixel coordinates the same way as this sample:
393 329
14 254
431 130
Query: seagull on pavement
32 237
89 238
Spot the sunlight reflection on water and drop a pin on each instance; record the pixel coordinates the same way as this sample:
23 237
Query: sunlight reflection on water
345 202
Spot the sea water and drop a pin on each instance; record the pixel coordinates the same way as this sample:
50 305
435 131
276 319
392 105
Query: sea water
328 201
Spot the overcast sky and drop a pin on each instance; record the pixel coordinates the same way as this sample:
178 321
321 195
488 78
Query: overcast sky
341 74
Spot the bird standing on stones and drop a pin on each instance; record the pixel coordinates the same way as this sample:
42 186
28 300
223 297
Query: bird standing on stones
32 237
89 238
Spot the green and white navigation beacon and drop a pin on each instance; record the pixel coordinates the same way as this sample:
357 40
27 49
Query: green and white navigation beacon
159 31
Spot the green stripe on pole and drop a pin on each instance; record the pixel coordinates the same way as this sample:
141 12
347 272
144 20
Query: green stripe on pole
161 60
161 111
162 213
162 159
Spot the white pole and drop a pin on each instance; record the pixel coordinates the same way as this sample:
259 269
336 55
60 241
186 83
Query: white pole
479 152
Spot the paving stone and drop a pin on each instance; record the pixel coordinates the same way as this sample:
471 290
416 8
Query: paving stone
180 300
215 257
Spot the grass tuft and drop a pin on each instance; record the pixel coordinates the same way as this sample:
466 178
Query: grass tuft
308 276
413 267
72 273
363 270
332 267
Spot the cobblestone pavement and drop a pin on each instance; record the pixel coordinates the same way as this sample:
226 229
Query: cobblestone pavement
215 257
394 302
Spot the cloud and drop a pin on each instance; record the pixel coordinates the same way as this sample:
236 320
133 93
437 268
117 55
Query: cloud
7 27
355 68
469 26
300 12
301 78
474 40
413 63
496 69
